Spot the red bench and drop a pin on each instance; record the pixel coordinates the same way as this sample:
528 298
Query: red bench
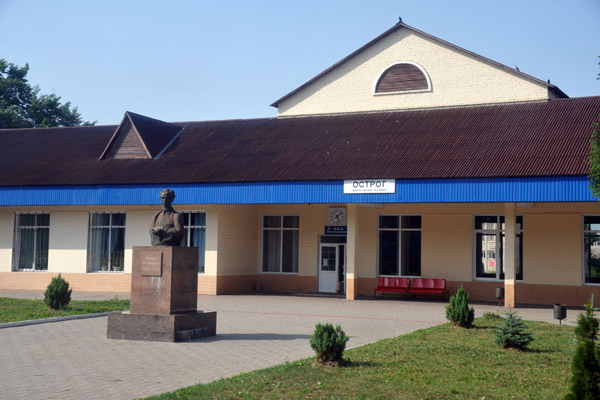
429 286
397 285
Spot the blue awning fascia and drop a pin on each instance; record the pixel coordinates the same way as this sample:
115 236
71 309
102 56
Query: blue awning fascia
471 190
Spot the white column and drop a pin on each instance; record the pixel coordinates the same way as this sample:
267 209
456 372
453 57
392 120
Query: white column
352 223
510 253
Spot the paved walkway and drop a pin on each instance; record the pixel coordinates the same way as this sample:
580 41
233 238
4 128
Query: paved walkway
74 360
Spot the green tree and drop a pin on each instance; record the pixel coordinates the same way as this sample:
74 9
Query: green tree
23 106
594 160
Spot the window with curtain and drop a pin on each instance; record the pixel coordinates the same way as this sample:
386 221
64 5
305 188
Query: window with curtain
280 237
30 247
489 247
400 245
106 244
195 234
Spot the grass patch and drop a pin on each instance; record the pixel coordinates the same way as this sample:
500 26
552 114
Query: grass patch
442 362
13 310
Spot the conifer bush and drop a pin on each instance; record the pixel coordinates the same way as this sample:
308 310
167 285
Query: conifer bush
458 311
329 343
585 368
58 294
512 332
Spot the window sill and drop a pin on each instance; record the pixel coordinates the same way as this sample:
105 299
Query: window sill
106 272
277 273
494 280
30 270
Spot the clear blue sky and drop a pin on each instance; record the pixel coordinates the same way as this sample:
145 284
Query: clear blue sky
201 60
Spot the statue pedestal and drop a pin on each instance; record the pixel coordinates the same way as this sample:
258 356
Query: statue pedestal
164 297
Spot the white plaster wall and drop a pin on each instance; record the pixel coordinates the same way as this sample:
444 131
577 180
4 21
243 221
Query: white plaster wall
446 246
552 249
237 240
68 241
366 255
552 237
457 79
7 220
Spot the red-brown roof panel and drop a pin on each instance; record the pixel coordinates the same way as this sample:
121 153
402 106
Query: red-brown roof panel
528 139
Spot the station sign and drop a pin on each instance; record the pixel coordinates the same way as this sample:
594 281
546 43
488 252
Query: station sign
362 186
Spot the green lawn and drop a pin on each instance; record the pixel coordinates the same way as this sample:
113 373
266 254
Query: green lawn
442 362
12 310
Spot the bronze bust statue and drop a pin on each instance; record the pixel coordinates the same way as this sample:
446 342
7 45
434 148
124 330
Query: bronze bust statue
167 227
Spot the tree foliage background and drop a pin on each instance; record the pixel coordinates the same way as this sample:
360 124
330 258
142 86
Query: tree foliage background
23 106
594 176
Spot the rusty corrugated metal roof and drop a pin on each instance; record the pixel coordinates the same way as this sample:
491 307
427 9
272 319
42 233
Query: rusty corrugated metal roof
528 139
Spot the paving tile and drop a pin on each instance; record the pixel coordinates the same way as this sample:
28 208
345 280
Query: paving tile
74 360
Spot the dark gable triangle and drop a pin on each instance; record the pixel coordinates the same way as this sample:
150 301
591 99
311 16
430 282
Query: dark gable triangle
139 137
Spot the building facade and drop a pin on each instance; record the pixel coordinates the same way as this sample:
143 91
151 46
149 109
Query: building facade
410 157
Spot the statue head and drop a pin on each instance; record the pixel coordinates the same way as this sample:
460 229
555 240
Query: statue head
167 196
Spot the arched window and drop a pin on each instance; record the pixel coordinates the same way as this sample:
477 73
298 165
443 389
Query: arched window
403 77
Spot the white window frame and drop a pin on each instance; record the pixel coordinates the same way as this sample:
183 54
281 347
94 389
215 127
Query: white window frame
281 229
17 240
110 228
498 232
188 233
400 230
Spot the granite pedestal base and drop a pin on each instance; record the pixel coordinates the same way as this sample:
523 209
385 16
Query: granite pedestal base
161 328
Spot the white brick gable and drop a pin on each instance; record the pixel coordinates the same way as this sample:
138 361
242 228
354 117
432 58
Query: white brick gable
458 78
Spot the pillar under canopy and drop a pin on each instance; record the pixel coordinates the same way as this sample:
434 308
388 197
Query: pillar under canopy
510 254
351 242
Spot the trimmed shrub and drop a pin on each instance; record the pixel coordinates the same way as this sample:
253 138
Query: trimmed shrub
58 294
585 369
458 311
328 343
511 333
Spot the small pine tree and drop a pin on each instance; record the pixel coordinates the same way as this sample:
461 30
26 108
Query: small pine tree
458 311
328 343
585 368
58 294
511 333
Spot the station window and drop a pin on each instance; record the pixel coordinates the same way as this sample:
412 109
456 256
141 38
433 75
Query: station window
30 246
195 234
399 245
591 248
280 236
106 242
489 247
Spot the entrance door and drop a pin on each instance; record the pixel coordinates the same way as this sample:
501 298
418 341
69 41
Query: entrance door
332 266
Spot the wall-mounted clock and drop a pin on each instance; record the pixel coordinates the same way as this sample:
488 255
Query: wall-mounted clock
337 216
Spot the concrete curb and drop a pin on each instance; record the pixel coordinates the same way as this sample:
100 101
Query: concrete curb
54 319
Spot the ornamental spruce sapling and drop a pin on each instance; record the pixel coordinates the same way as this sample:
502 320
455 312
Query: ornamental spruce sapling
58 294
512 332
329 343
458 311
